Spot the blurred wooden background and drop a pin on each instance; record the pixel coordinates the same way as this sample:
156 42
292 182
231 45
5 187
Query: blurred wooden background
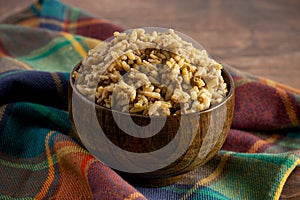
261 37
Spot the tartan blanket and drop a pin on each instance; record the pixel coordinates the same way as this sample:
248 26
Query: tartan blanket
41 159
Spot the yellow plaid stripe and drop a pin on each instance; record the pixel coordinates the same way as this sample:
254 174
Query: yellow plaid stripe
75 44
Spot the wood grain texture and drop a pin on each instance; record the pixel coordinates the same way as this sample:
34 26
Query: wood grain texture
261 37
191 139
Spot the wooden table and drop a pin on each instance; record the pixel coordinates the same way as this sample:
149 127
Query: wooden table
261 37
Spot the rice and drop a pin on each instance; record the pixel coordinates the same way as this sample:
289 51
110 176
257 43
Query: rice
156 73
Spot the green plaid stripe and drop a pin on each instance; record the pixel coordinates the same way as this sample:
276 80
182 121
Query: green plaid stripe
59 54
40 157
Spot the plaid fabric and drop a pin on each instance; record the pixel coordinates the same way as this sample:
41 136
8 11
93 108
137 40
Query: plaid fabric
40 158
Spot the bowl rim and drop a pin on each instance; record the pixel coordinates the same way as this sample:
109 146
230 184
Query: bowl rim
229 94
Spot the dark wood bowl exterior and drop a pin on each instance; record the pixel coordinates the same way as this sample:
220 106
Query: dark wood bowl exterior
210 128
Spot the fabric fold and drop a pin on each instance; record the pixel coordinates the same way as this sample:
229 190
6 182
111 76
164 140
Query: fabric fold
40 158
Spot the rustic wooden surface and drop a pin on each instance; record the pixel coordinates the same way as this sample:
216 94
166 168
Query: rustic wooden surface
261 37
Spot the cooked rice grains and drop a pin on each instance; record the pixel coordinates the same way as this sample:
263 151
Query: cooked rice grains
150 74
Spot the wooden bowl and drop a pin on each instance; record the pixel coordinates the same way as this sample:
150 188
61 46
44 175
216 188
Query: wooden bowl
209 129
